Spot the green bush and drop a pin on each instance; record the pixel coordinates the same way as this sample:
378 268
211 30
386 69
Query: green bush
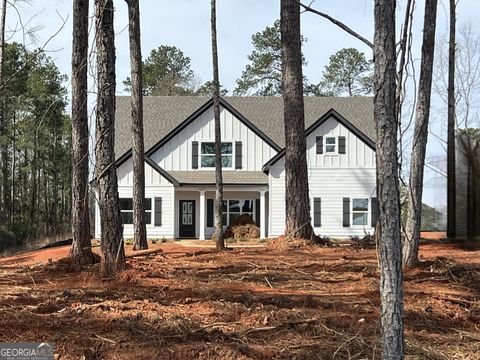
21 230
8 239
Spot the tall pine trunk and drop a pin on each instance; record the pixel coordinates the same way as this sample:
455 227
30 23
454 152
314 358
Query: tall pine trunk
390 247
218 134
298 222
139 226
111 241
81 250
420 137
3 15
451 181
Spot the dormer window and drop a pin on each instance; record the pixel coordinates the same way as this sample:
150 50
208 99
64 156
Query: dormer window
330 145
207 155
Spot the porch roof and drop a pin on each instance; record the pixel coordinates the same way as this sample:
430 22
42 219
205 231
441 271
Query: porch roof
229 177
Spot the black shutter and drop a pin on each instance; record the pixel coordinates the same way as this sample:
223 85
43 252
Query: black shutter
158 211
317 212
374 211
341 145
194 154
257 211
209 212
319 144
346 212
238 154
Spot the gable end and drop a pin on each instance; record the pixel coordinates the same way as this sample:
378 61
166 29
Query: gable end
329 114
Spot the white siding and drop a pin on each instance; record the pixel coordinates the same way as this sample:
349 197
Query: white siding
331 178
176 154
155 186
168 197
152 177
358 154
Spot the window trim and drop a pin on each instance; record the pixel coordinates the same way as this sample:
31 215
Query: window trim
325 152
151 211
358 212
200 154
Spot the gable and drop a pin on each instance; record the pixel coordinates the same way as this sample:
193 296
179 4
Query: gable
360 148
359 152
174 153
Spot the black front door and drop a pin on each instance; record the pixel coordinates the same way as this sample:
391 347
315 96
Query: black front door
187 219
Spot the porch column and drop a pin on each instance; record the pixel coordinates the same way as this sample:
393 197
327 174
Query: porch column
262 215
202 215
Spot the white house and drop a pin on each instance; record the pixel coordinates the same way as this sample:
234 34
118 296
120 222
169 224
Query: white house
180 174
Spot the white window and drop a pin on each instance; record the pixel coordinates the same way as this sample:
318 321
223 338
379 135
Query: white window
126 210
330 145
207 155
360 211
232 209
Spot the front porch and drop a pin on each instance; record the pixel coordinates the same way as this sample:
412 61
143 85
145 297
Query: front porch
194 209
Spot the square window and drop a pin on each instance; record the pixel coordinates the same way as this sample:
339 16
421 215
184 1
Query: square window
360 204
360 218
126 203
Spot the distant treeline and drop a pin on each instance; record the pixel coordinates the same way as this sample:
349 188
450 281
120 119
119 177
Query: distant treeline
35 148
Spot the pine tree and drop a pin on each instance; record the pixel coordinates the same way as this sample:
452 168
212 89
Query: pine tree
111 242
218 134
81 250
296 184
390 247
139 226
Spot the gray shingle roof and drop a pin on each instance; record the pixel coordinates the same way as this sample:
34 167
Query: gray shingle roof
162 114
229 177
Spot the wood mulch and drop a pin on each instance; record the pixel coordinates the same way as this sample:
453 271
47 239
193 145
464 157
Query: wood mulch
253 303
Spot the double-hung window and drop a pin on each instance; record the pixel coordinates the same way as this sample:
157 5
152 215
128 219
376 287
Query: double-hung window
330 145
126 210
207 155
360 211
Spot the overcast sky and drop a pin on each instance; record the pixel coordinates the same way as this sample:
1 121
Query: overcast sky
186 24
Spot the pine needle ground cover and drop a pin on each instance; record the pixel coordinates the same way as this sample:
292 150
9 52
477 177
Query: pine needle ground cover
250 303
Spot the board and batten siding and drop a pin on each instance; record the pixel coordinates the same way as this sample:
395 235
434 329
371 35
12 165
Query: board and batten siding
358 153
176 154
155 186
331 178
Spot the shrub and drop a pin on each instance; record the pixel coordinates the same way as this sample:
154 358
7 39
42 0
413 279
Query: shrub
8 239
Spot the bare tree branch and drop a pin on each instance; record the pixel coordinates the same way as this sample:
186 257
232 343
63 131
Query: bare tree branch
34 56
341 25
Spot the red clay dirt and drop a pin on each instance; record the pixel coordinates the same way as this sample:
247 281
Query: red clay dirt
56 253
251 303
